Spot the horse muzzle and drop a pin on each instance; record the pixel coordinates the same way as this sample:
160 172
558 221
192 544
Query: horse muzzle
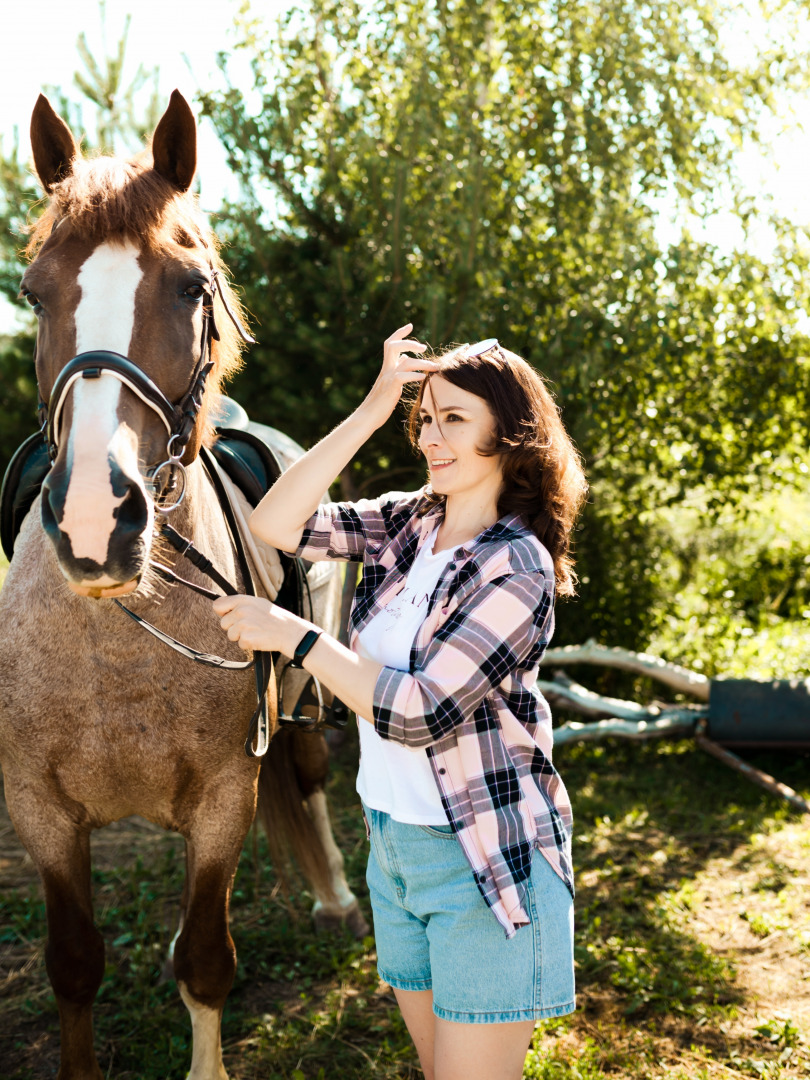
101 536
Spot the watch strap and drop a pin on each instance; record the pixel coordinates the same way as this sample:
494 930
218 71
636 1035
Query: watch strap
304 646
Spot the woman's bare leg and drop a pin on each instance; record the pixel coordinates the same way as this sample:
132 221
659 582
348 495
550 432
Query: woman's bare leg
480 1051
416 1007
450 1051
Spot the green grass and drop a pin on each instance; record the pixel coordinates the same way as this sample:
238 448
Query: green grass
651 821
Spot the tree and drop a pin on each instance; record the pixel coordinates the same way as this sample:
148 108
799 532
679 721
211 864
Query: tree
121 122
491 169
121 117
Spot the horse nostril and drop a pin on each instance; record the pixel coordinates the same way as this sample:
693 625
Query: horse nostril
96 531
132 514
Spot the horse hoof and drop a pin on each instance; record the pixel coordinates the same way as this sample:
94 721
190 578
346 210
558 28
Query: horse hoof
350 917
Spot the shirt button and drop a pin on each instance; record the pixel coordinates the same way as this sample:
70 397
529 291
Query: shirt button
482 878
442 772
452 566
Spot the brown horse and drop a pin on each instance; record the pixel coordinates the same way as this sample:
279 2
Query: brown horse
98 719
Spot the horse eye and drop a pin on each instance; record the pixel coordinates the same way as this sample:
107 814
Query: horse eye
31 299
194 292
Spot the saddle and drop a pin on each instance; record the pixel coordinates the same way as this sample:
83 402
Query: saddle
23 478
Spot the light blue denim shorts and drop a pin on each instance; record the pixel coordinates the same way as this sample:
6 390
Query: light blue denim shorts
434 931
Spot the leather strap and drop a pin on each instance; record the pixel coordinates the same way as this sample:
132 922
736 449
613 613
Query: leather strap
259 726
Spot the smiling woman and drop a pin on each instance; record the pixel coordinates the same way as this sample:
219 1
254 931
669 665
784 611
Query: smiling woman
469 822
504 414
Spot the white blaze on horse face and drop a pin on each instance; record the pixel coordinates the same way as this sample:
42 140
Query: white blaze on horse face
105 316
105 319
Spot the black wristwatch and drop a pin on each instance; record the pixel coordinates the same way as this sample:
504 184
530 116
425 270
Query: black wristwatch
304 646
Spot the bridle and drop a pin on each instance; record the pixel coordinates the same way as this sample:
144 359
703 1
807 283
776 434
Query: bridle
179 420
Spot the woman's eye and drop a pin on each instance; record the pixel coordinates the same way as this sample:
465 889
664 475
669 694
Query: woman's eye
453 416
194 292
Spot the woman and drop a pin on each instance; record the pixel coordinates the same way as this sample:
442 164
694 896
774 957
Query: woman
469 871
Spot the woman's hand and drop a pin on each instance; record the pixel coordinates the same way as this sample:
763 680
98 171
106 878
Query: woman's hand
256 624
398 368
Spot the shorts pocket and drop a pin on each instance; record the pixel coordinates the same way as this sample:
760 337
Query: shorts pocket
444 832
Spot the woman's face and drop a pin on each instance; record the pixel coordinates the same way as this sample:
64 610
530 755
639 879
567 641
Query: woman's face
454 425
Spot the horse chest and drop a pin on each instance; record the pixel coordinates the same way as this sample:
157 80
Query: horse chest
83 686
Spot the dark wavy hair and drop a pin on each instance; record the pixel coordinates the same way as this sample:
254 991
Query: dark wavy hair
543 479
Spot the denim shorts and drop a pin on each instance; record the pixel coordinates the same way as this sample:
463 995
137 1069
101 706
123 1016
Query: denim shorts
434 931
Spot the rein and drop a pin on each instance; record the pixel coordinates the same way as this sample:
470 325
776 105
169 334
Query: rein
262 662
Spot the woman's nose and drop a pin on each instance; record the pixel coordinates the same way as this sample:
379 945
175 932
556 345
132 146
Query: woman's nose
430 435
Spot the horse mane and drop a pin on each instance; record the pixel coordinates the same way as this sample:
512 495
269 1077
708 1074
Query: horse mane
108 199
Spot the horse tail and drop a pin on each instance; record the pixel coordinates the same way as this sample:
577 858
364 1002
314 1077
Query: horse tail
295 766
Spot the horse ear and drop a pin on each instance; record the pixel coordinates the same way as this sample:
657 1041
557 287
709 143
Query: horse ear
174 144
52 143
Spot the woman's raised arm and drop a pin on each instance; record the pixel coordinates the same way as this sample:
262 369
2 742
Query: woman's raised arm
280 517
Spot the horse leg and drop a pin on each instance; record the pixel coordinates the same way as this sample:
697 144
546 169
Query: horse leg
74 954
339 906
168 964
204 953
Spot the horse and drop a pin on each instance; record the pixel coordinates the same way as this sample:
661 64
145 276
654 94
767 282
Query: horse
138 328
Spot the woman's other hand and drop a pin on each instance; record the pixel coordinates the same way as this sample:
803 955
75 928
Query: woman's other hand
256 624
398 368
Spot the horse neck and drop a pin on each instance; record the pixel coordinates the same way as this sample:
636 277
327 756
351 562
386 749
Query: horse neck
199 518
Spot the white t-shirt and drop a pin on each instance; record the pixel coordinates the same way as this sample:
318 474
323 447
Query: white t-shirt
394 778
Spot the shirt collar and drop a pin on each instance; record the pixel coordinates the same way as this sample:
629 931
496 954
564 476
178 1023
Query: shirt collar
505 528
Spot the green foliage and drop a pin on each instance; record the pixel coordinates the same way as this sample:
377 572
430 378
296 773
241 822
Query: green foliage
479 168
18 393
738 589
18 193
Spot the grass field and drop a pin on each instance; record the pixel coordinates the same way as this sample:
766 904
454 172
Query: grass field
693 941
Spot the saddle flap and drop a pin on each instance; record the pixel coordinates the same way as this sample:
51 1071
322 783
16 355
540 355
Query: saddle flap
23 478
248 461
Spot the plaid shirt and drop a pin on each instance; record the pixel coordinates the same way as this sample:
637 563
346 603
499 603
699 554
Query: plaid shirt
469 697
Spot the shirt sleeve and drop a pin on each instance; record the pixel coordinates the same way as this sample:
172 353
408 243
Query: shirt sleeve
501 628
342 531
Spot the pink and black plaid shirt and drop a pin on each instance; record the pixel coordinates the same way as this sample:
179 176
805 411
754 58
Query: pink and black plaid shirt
469 697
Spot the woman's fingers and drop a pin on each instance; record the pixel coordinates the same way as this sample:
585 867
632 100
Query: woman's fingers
398 334
398 344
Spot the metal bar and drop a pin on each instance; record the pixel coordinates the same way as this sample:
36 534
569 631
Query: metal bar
672 726
776 787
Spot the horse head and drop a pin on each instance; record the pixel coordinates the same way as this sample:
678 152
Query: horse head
123 277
